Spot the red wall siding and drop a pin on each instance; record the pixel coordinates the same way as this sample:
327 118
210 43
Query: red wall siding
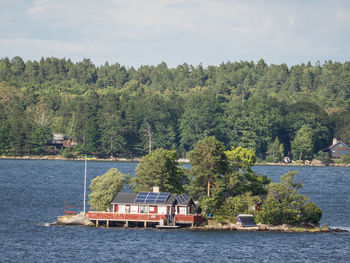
124 217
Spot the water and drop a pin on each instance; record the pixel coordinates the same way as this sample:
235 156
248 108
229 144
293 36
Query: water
33 193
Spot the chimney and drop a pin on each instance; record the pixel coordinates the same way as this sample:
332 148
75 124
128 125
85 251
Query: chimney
334 141
155 189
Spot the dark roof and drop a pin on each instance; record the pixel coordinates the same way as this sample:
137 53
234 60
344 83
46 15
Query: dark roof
246 220
184 200
129 198
333 145
339 142
124 198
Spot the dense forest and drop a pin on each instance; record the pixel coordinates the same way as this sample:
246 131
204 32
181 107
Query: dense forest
112 110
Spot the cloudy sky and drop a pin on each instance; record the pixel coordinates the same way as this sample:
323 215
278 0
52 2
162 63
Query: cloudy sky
139 32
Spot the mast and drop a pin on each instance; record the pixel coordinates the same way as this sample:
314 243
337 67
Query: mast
85 184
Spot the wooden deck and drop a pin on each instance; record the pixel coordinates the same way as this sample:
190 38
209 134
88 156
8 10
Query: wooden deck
152 218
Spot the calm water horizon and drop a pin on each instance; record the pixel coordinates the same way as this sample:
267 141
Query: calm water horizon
33 194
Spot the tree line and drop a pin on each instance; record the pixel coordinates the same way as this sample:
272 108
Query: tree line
112 110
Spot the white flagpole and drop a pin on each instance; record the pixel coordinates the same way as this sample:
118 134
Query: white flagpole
85 183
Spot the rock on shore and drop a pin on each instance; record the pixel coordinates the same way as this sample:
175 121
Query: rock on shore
79 219
212 225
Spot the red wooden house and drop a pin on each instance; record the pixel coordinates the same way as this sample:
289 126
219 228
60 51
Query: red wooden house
152 208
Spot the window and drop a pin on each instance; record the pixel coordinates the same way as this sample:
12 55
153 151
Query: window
127 209
134 209
143 209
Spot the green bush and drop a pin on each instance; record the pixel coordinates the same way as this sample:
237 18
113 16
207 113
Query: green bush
345 159
324 157
270 212
66 153
311 213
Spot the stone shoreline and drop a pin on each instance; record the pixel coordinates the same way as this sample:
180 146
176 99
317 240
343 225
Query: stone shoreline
82 220
137 159
266 228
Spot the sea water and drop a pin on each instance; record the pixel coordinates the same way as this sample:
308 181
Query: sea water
33 193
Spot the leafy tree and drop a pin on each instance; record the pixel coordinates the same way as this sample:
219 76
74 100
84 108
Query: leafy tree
209 164
302 145
160 168
240 204
40 136
241 158
270 212
311 213
276 150
201 118
240 178
105 187
284 203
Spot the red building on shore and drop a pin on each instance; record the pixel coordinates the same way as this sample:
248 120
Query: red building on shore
150 209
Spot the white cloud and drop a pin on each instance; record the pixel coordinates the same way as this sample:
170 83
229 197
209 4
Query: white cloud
146 32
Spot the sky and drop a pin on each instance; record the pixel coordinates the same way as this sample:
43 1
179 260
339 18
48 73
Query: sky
147 32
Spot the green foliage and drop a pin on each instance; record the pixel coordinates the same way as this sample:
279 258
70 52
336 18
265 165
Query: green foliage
240 178
270 212
240 204
345 159
311 213
209 164
276 150
106 109
67 153
240 158
284 203
103 188
302 145
324 157
160 168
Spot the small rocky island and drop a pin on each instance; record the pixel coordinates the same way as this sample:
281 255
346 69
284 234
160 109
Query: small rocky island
219 187
83 220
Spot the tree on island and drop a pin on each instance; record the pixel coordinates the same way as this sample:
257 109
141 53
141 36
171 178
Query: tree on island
105 187
243 186
240 177
285 205
160 168
209 164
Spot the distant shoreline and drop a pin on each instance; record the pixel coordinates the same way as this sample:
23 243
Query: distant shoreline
138 159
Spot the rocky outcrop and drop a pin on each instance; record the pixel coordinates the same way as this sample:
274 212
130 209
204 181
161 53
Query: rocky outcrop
80 219
212 225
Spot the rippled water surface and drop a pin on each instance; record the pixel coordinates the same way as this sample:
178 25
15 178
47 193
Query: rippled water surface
33 193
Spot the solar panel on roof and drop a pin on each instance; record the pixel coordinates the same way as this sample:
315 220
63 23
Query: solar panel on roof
163 198
151 197
246 220
182 198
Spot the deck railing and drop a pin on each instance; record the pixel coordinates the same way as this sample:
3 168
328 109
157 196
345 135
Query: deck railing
141 217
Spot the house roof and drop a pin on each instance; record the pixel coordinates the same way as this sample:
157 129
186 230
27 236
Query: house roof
339 142
130 198
124 198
